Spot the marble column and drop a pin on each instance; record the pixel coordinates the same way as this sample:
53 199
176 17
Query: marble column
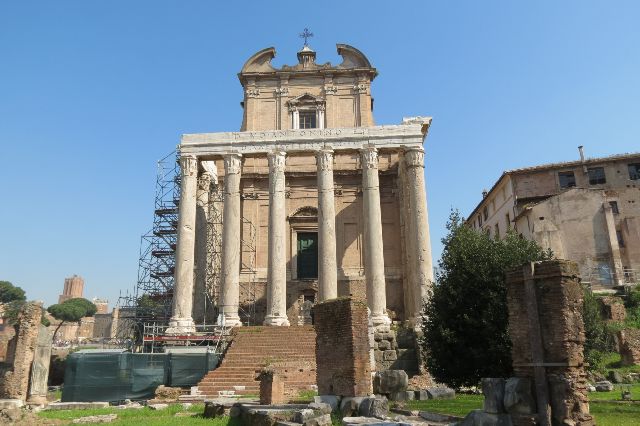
373 244
200 281
421 264
327 265
181 321
231 237
277 259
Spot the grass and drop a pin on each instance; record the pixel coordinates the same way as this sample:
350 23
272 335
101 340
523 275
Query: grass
613 361
460 406
605 413
144 416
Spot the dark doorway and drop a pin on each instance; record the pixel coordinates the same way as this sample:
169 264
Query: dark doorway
307 255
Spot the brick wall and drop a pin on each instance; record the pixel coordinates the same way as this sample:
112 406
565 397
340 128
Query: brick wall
629 339
342 347
15 380
559 297
612 309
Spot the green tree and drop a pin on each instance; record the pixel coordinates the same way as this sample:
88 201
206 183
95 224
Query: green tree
10 293
72 310
598 335
465 319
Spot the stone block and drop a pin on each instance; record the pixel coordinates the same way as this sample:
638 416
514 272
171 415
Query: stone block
390 355
604 386
332 400
441 393
384 345
374 407
493 391
158 406
350 406
355 421
390 381
421 395
480 418
303 415
402 396
10 403
323 420
212 410
76 405
321 407
518 396
102 418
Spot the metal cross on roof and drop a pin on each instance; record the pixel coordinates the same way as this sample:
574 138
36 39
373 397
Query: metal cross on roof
306 35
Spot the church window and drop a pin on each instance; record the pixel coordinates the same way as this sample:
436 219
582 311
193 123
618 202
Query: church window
614 207
307 120
567 180
634 171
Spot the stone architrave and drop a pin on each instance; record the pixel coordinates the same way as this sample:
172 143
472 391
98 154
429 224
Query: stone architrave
202 215
277 259
327 266
231 240
421 268
373 244
181 320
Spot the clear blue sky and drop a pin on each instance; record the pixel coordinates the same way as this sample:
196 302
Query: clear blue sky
92 93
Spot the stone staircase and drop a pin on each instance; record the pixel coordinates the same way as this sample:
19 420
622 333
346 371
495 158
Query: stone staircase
290 350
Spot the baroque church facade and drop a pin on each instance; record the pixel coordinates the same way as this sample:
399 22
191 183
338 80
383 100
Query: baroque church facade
309 201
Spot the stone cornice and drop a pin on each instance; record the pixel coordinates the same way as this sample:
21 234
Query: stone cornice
349 138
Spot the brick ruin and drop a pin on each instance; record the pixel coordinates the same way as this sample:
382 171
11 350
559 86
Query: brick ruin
25 370
612 309
342 348
629 342
547 331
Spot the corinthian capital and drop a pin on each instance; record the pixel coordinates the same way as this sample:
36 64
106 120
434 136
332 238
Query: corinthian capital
324 159
232 163
189 165
369 157
414 157
276 161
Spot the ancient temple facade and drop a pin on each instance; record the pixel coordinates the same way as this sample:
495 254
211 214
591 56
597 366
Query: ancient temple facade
309 201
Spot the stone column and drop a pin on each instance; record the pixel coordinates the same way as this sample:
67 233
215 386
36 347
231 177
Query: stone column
327 266
181 321
421 266
202 215
277 259
373 245
231 240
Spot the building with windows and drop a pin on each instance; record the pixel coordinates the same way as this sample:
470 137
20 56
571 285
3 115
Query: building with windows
586 210
308 202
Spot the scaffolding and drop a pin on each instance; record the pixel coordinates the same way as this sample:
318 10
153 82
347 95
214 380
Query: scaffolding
145 313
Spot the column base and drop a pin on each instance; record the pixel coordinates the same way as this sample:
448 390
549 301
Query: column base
232 320
276 320
180 326
381 322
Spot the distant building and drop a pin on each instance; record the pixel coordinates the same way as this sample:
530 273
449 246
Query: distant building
586 210
73 288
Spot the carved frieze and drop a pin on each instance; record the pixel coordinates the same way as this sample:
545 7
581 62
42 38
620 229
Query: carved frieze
330 90
414 157
281 91
369 157
189 165
232 163
252 93
324 159
360 88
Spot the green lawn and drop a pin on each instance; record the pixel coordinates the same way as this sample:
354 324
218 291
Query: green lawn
605 413
144 416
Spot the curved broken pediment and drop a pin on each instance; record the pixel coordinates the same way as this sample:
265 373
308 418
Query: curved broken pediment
306 211
260 61
352 57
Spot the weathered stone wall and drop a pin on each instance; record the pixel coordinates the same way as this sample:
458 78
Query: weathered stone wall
558 295
612 309
629 340
40 367
342 347
15 380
